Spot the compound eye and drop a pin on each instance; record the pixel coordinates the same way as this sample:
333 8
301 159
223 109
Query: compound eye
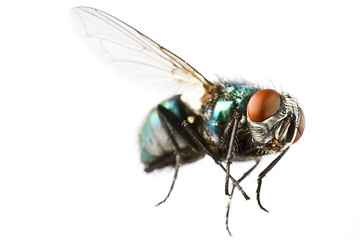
301 127
263 104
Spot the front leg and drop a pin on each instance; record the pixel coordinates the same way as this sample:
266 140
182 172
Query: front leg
263 174
232 193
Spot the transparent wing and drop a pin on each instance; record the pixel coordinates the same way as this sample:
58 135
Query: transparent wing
134 51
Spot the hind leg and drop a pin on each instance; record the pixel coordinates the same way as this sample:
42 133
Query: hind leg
172 124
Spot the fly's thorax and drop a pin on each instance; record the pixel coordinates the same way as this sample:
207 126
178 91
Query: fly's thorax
279 130
219 109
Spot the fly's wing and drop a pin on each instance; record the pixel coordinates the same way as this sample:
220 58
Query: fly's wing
135 52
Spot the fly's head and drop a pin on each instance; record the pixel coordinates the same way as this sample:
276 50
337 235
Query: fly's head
275 121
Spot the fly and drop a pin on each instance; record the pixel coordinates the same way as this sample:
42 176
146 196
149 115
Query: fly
228 120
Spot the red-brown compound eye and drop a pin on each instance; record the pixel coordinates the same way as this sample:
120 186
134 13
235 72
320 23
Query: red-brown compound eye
263 104
301 127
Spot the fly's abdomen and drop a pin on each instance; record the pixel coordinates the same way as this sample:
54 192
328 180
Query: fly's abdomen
157 150
153 139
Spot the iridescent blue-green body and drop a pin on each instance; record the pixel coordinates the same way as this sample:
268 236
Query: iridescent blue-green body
229 121
212 121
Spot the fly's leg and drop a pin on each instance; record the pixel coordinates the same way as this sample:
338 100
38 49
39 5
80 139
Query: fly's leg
263 174
232 193
167 120
177 166
229 154
201 142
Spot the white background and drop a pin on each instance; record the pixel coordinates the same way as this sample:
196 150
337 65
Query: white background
69 160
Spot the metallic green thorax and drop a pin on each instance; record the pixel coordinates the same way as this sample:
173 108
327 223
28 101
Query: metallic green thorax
235 96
